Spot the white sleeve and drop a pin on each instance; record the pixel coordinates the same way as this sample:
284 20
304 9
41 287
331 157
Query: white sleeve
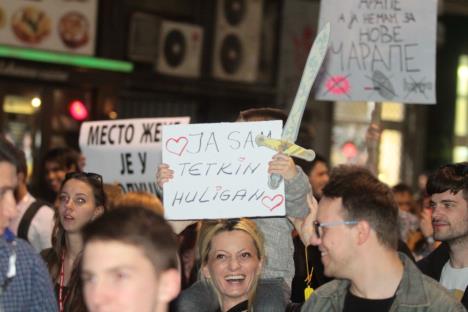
40 231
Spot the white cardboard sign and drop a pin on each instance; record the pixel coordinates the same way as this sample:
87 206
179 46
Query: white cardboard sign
219 171
125 151
379 51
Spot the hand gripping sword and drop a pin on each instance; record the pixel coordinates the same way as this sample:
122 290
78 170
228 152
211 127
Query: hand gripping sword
291 128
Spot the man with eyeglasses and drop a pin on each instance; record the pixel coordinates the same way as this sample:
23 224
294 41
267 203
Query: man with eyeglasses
448 264
24 282
356 230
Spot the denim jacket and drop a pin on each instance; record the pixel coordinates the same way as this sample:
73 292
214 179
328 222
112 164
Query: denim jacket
416 293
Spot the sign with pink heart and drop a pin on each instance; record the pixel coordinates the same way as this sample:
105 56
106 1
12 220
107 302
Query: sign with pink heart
126 151
219 171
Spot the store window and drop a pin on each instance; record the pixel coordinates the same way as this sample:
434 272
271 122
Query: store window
20 123
460 152
351 120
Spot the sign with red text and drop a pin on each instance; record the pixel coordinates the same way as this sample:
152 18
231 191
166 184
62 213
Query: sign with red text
219 171
58 25
125 151
379 51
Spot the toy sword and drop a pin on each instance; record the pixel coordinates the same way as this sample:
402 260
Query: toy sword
291 128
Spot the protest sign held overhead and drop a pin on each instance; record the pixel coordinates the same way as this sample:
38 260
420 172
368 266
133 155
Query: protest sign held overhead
219 171
379 51
125 151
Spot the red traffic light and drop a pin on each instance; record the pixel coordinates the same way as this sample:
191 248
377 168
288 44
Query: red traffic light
78 110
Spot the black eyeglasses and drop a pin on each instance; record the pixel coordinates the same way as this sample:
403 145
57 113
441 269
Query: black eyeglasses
90 175
318 226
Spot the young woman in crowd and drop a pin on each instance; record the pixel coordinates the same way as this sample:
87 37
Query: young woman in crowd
231 254
80 200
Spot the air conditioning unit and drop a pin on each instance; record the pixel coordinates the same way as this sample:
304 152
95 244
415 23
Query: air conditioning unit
237 39
179 49
143 37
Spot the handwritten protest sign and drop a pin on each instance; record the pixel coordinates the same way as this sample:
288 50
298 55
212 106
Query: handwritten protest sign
219 171
125 151
379 51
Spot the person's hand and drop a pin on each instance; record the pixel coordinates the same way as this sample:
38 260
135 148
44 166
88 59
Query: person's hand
164 174
307 232
283 165
373 135
426 223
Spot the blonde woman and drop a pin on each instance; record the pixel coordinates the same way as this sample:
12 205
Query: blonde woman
231 254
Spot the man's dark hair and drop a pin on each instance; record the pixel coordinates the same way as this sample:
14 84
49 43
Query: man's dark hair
451 177
141 228
264 113
8 152
65 157
22 164
402 188
364 197
308 166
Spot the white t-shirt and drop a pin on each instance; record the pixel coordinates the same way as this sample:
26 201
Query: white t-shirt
455 280
40 230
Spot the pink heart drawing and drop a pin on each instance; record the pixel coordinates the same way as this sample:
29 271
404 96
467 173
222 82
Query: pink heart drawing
176 145
241 158
219 188
272 202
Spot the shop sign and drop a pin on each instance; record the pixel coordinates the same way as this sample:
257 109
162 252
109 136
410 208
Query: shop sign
57 25
12 69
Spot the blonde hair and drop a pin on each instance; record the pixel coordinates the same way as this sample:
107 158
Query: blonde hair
209 229
140 199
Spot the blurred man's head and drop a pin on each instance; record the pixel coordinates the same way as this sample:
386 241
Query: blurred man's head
8 182
356 213
130 262
448 188
263 114
318 172
57 163
404 197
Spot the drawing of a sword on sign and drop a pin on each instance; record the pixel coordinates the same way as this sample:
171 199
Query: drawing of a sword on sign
291 129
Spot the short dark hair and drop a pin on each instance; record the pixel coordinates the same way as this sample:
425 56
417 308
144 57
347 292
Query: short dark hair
264 113
139 227
402 188
65 157
366 198
22 164
8 152
308 166
451 177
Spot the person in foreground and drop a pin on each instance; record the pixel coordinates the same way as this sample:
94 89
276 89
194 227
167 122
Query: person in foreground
448 188
129 262
231 254
356 230
24 282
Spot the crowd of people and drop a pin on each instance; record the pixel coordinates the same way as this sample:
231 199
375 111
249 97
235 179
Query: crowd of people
348 242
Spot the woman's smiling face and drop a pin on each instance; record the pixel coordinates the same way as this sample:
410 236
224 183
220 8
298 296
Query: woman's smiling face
233 265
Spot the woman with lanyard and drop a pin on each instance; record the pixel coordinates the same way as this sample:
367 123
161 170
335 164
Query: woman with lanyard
81 199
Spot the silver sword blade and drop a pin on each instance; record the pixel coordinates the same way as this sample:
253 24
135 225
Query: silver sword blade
314 62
